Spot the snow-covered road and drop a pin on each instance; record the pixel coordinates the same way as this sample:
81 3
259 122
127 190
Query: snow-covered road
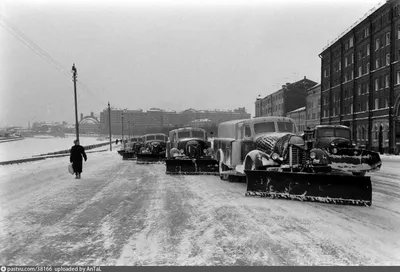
121 213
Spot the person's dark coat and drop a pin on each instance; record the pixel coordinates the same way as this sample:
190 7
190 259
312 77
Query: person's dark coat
77 152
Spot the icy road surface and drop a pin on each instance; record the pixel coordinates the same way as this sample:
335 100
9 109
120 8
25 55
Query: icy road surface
121 213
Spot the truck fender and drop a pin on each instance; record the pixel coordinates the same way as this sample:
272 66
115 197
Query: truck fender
255 159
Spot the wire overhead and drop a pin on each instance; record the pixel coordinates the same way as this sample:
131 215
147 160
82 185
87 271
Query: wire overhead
42 53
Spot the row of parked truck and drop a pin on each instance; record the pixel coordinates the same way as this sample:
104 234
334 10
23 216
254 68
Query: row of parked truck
271 155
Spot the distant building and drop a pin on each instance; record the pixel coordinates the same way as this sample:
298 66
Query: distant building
140 122
299 117
313 106
290 97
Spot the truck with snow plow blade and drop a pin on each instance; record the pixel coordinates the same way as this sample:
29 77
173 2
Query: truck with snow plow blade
132 148
278 163
342 151
153 149
190 153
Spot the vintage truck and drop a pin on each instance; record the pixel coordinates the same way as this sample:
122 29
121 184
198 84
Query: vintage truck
277 162
344 156
132 147
189 153
153 148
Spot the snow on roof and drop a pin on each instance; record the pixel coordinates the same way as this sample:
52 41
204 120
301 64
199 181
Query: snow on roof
297 110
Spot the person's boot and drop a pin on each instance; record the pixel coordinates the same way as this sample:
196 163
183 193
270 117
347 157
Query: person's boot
79 176
76 176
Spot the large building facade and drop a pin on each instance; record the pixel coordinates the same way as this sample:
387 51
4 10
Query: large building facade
313 106
360 79
299 117
292 96
156 120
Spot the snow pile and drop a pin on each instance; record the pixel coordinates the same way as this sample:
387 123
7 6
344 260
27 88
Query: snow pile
34 146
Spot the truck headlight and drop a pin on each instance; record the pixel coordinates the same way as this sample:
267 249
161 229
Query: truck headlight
204 151
334 150
313 155
274 156
181 151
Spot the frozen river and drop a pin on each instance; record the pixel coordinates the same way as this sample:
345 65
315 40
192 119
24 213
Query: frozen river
34 146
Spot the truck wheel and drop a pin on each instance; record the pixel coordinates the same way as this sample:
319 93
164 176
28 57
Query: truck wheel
222 176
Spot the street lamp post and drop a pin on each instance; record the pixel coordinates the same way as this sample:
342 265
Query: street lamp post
74 73
123 142
109 123
129 129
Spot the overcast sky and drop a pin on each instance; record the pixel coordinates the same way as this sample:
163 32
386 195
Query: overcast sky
166 54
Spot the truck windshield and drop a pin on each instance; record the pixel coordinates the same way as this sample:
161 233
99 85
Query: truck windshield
332 132
151 137
183 134
285 127
160 137
264 127
198 134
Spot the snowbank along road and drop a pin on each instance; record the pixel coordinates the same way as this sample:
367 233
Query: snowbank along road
121 213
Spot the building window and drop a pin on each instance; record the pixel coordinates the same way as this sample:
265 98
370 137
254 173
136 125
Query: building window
386 103
376 103
367 106
368 67
367 49
386 81
351 42
352 57
377 63
398 77
398 32
360 71
359 107
387 38
359 89
351 108
340 64
377 44
345 77
345 62
334 111
352 75
387 59
376 84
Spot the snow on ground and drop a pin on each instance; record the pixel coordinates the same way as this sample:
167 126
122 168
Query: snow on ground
121 213
35 146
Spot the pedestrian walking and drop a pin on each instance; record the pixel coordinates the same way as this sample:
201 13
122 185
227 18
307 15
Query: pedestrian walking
77 152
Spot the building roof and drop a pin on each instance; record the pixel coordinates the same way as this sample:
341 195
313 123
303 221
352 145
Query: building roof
297 110
341 35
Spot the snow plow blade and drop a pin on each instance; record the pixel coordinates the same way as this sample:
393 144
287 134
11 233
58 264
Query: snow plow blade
192 167
149 159
353 160
318 187
128 156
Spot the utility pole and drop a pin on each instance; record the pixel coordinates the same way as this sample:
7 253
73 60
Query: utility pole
74 71
123 142
129 129
109 123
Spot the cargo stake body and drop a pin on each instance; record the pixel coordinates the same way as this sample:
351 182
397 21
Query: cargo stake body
342 151
190 153
153 149
278 163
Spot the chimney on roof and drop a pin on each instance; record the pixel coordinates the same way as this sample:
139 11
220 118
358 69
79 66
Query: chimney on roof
81 116
283 86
